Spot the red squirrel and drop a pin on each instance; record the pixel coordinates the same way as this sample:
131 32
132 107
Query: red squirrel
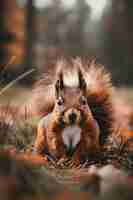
80 110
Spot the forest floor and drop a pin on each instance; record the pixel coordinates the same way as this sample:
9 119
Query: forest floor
50 180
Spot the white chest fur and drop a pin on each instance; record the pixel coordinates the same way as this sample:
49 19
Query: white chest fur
71 136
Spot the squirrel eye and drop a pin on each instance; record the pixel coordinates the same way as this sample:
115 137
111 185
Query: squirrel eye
83 100
60 101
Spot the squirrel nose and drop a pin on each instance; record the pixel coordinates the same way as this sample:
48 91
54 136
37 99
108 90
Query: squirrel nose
72 118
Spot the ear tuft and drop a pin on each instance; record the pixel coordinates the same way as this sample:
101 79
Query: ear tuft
82 82
59 85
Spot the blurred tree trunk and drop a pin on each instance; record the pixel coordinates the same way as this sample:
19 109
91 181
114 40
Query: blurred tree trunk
30 38
118 41
2 32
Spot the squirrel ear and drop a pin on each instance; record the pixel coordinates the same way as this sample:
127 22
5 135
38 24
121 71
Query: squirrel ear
59 85
82 83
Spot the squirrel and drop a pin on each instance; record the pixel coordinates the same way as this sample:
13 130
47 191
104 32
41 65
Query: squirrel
76 110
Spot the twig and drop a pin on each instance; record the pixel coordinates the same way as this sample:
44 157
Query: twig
11 60
16 80
3 68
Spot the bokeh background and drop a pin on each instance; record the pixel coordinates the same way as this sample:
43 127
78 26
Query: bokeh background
36 32
33 34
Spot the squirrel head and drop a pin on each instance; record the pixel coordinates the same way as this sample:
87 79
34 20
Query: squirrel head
70 89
